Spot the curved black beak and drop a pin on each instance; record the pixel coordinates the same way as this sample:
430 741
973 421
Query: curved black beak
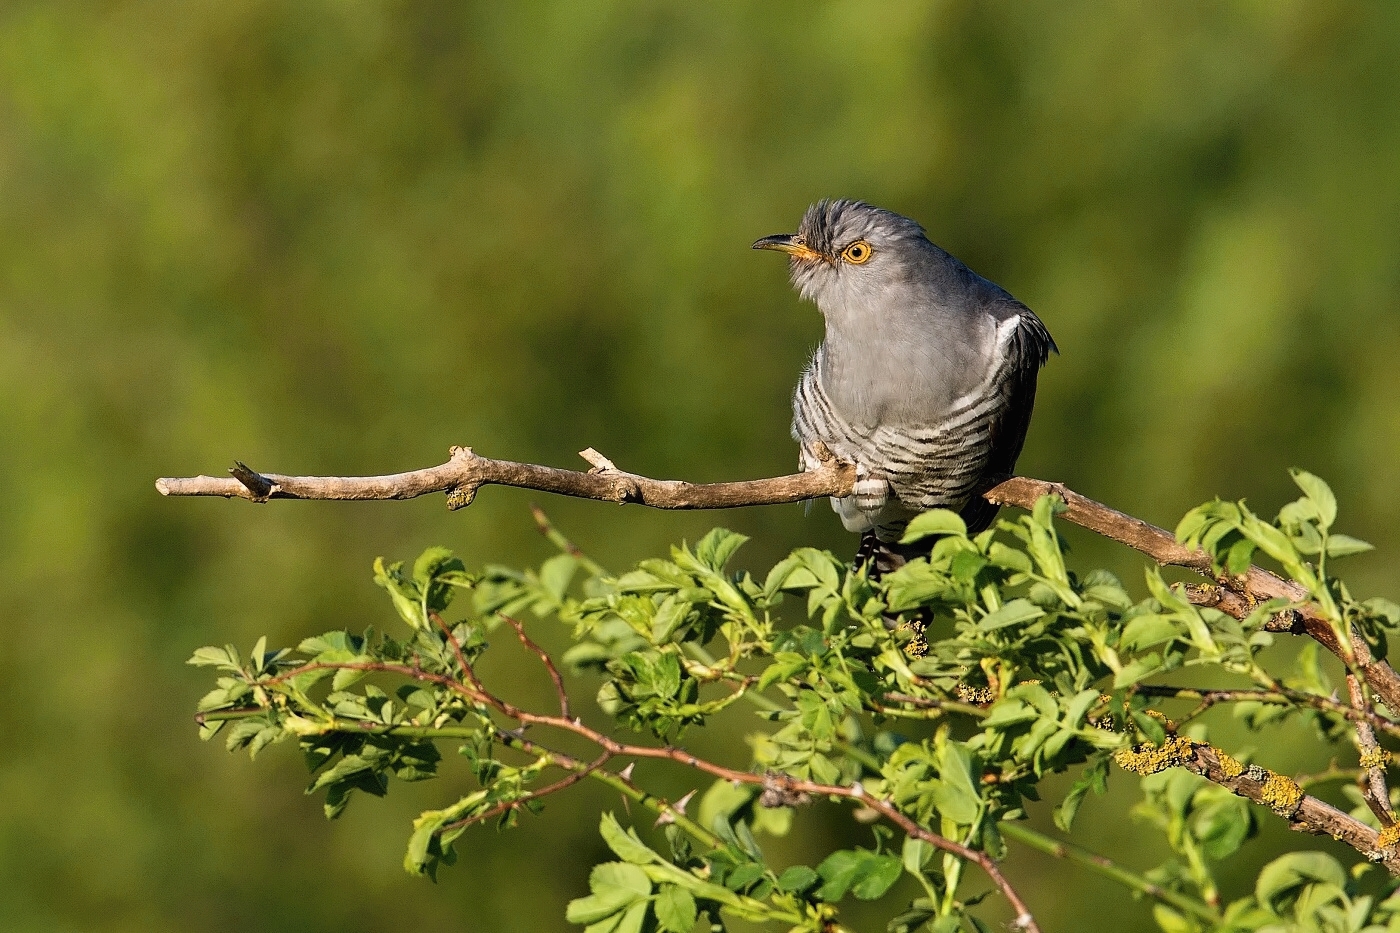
790 243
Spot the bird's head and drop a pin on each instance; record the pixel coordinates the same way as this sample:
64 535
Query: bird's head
845 251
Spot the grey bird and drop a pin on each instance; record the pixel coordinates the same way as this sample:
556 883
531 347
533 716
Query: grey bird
925 380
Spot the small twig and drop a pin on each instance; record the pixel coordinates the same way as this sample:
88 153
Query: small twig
1109 869
558 681
1373 757
929 703
1310 815
559 540
1280 697
1332 773
578 771
782 784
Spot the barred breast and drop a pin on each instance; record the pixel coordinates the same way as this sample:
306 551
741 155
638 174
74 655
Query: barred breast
906 469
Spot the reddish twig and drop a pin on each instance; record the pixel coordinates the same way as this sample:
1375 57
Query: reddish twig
785 785
578 771
545 659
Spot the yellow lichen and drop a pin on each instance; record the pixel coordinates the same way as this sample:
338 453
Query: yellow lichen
1281 794
917 645
1389 837
1229 766
1149 759
978 696
1375 758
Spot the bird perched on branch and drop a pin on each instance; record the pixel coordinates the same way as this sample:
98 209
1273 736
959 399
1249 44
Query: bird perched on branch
925 380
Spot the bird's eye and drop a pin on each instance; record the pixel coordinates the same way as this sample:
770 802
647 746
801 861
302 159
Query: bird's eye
858 252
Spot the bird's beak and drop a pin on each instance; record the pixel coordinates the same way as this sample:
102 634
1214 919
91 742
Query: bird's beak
789 243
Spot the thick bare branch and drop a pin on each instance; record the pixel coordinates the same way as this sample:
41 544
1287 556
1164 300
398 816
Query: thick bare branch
465 472
1373 757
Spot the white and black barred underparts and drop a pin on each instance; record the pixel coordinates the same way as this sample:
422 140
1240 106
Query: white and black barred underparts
906 469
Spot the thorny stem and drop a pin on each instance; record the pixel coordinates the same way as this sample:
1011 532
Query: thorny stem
560 541
554 676
1108 868
783 786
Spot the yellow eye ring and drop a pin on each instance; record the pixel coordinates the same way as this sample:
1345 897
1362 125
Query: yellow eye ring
857 253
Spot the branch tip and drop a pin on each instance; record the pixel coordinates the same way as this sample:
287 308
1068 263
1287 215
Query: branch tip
598 462
252 480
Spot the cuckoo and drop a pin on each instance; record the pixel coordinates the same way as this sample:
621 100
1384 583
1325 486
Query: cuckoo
925 379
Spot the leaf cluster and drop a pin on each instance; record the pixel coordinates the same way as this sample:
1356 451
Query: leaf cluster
947 691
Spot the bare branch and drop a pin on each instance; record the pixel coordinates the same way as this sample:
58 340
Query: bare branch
1362 716
466 472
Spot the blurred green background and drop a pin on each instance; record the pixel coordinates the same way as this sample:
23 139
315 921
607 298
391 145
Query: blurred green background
341 236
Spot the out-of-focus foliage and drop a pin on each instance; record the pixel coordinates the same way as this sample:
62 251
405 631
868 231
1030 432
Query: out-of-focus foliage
340 237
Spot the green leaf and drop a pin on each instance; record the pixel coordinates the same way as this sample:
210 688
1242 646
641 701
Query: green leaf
797 878
915 854
1282 877
1172 922
346 677
879 875
675 909
209 656
1150 726
1320 494
784 665
1272 542
557 573
428 570
1095 778
402 593
1012 613
1145 631
615 885
1139 669
955 793
935 522
633 920
1344 545
865 874
715 549
624 842
839 871
721 802
744 875
1240 556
